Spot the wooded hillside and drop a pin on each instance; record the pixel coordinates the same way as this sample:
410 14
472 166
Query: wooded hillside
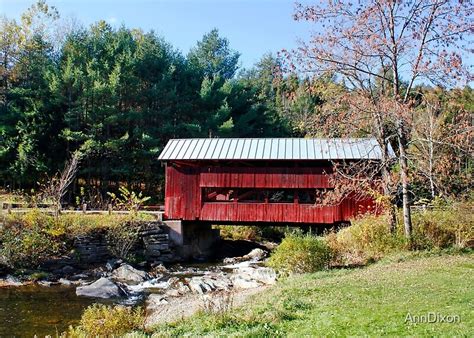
118 95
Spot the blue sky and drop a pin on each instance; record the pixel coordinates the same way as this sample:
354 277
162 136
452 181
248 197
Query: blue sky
254 27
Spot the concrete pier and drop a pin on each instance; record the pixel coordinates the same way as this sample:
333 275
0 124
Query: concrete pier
192 239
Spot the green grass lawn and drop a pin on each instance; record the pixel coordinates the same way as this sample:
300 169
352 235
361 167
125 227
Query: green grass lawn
369 301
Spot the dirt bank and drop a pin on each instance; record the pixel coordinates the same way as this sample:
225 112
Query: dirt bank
173 309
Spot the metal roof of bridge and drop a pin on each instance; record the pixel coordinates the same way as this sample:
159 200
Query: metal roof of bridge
271 149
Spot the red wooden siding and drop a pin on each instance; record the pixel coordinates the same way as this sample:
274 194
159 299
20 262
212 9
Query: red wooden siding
184 186
264 178
183 194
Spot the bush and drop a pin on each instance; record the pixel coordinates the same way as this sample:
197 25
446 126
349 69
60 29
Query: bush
251 233
78 224
122 237
107 321
27 240
367 239
300 253
443 228
239 232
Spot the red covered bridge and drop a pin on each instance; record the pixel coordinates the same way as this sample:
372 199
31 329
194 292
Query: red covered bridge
259 181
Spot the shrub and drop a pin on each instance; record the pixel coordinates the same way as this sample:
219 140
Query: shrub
37 276
27 240
443 228
239 232
107 321
122 237
300 253
78 224
368 238
251 233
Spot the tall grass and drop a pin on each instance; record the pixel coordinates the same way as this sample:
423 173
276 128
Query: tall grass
369 238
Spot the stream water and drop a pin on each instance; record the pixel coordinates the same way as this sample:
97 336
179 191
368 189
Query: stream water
31 310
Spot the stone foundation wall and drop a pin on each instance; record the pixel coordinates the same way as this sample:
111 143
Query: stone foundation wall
153 245
156 244
91 248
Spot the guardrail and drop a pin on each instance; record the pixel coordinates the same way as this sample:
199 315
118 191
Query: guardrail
10 208
427 207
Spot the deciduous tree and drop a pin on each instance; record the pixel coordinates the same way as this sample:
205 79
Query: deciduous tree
381 49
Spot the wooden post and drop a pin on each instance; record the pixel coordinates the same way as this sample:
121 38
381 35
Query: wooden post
110 209
9 208
84 208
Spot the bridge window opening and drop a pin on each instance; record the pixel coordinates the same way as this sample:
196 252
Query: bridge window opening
249 195
219 195
306 196
281 196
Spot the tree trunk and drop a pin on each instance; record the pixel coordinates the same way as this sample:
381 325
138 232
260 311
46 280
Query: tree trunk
431 164
386 177
404 178
386 184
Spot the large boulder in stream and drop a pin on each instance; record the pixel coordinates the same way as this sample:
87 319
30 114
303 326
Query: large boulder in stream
255 255
101 288
128 274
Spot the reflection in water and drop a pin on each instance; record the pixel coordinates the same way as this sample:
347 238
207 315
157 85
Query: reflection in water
29 310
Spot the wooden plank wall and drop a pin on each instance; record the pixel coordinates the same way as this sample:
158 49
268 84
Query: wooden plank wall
183 197
264 178
182 193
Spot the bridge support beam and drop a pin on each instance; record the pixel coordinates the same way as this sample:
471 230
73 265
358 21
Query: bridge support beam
192 239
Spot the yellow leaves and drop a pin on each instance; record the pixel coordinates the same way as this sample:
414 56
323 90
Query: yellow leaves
105 320
128 200
300 253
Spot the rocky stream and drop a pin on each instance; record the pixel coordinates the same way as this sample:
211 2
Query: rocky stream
48 307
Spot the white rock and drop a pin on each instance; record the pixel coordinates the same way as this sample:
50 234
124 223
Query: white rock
12 281
238 265
196 286
222 283
241 282
157 299
44 283
64 281
127 273
172 293
260 274
256 255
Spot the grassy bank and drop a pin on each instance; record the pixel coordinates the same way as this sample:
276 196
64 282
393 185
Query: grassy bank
370 301
29 239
